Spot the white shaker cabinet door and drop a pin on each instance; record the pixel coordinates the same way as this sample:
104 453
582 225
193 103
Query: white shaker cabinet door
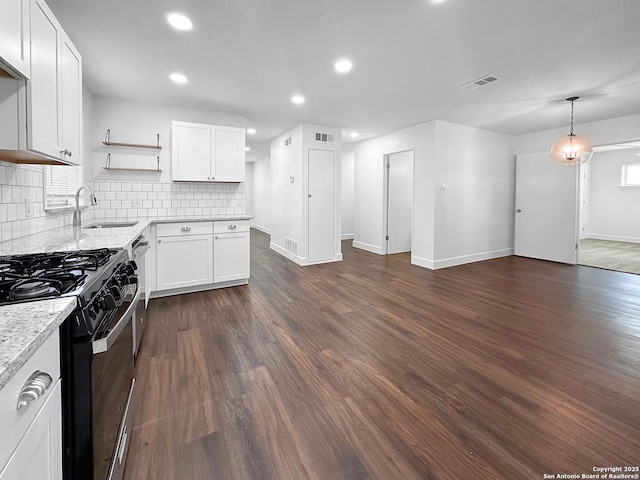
228 147
71 101
45 135
14 35
184 261
191 152
39 454
230 257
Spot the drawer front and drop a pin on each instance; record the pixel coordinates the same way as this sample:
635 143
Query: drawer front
184 228
230 226
14 423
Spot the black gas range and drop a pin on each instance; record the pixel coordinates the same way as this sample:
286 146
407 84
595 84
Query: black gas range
96 348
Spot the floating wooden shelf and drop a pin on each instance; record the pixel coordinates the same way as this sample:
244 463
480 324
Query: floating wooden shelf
135 145
133 169
107 141
107 166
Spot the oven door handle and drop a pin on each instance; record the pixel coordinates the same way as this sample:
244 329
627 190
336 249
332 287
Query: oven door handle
103 344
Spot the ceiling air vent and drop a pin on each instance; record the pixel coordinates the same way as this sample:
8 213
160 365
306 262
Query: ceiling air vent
480 82
324 137
287 141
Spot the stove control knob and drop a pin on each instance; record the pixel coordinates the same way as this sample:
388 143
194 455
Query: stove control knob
130 268
109 302
115 291
123 279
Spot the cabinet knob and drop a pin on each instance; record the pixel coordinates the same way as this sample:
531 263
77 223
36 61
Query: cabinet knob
159 241
66 152
186 229
231 227
34 388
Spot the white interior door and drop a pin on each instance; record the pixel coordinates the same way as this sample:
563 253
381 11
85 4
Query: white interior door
546 209
399 201
321 206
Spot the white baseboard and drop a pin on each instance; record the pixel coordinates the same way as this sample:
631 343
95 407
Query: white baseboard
285 253
422 262
612 238
261 228
475 257
368 248
346 236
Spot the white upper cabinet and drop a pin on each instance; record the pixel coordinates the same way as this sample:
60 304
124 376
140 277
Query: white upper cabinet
228 148
14 35
55 89
207 153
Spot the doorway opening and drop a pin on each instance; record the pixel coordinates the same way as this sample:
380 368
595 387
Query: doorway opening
398 201
609 210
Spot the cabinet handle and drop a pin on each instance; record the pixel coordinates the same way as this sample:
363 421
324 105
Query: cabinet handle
159 241
232 227
216 237
66 151
34 388
186 229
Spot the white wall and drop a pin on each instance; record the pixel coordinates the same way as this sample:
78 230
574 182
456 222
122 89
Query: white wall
289 198
286 196
139 122
368 207
470 220
474 213
347 186
613 213
262 195
248 182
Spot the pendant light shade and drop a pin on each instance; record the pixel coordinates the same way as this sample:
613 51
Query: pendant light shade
572 149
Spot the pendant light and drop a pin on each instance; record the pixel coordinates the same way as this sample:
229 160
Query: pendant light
572 149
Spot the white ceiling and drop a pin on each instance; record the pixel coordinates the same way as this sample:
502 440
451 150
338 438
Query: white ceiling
410 58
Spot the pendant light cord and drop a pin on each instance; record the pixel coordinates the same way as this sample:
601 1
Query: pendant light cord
571 132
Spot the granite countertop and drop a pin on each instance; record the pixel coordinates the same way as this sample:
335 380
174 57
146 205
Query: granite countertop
68 239
24 327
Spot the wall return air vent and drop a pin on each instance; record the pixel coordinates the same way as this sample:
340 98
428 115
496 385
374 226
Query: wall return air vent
324 137
479 82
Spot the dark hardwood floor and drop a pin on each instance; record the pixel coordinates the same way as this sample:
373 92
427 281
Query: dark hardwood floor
373 368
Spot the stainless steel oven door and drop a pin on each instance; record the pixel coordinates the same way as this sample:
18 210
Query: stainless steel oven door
112 381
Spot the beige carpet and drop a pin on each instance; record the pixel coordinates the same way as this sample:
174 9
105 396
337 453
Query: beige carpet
620 256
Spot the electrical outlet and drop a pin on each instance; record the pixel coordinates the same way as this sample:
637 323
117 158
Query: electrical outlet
137 203
28 207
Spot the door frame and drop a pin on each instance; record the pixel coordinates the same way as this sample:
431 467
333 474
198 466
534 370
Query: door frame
385 196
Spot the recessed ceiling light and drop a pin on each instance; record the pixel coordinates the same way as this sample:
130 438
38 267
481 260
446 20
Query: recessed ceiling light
251 131
297 99
247 149
178 78
343 65
179 21
354 134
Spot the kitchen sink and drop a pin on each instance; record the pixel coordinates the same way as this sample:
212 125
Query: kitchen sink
111 225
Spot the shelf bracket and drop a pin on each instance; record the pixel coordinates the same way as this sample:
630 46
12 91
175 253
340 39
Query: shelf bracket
108 162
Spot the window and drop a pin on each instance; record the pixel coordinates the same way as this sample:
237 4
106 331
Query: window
60 185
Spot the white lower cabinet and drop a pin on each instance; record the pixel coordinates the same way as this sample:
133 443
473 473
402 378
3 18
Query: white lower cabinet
197 254
39 454
230 256
31 433
184 261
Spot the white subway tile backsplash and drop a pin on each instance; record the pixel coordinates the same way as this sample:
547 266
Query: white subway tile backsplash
116 199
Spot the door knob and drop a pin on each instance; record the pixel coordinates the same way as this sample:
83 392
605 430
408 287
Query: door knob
519 210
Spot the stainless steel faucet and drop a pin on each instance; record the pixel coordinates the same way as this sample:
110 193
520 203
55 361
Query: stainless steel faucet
77 221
